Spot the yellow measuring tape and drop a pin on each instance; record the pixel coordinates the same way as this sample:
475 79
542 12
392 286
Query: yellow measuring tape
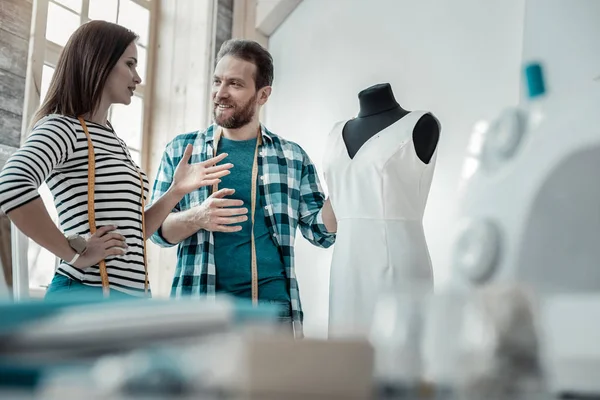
253 261
92 213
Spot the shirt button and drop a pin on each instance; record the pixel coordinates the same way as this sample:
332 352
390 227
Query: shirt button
262 178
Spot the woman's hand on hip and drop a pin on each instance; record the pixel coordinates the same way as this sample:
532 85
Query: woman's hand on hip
102 244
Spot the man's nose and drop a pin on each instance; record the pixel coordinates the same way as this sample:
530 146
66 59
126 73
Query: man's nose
221 92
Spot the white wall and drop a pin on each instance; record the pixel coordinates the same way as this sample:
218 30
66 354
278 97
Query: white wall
564 35
460 59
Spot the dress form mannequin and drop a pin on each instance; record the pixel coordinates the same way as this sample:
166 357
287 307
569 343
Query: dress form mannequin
378 110
379 168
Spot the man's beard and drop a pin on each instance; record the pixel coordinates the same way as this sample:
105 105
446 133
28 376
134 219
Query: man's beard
240 117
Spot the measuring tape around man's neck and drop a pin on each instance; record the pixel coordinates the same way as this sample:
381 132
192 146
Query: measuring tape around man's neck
253 261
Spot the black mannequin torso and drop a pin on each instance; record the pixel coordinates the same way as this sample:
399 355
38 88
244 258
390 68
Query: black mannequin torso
378 110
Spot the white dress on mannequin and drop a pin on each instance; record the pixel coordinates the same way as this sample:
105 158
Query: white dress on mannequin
379 198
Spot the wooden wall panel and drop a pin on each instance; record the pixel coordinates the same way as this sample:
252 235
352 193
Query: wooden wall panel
15 17
15 21
12 92
10 129
13 53
224 23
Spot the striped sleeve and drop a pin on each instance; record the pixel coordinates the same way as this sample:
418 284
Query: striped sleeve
50 144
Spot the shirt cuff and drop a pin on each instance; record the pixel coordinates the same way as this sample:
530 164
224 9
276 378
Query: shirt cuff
160 240
319 226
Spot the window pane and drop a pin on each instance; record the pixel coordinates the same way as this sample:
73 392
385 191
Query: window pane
74 5
136 18
136 156
105 10
141 67
61 24
127 121
41 261
47 73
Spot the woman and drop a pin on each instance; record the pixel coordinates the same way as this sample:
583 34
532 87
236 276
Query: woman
89 171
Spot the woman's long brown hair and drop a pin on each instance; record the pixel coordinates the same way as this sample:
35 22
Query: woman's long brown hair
83 68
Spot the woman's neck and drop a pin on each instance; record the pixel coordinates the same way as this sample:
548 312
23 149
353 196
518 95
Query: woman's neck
100 116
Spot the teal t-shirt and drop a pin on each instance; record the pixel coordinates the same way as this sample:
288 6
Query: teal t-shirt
233 249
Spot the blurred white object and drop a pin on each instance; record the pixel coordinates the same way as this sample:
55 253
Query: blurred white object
396 334
483 344
443 323
571 333
498 352
532 217
535 219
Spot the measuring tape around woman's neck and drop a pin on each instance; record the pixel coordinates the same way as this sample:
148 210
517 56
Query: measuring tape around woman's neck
92 212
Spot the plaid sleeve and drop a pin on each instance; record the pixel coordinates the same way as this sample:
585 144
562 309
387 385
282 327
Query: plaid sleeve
312 200
162 183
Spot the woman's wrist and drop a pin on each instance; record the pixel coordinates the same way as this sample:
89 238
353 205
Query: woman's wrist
74 258
175 192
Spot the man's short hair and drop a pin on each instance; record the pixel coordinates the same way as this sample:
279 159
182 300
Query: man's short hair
251 51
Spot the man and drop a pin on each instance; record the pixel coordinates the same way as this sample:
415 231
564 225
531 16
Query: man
220 249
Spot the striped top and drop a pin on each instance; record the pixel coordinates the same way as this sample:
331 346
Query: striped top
56 152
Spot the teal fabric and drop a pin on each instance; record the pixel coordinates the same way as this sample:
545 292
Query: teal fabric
15 316
25 373
64 287
233 249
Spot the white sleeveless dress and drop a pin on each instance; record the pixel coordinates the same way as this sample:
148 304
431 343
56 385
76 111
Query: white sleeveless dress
379 198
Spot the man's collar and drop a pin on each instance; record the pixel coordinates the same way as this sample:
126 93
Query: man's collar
210 133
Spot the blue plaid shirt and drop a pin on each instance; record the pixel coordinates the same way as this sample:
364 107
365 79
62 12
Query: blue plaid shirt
290 193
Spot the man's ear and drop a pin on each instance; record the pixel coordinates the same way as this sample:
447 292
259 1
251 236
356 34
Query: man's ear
265 92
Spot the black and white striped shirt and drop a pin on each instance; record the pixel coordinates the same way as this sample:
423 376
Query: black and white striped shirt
56 152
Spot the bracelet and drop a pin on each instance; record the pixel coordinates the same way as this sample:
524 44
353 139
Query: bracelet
74 259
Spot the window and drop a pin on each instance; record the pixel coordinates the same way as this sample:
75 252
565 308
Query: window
62 18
